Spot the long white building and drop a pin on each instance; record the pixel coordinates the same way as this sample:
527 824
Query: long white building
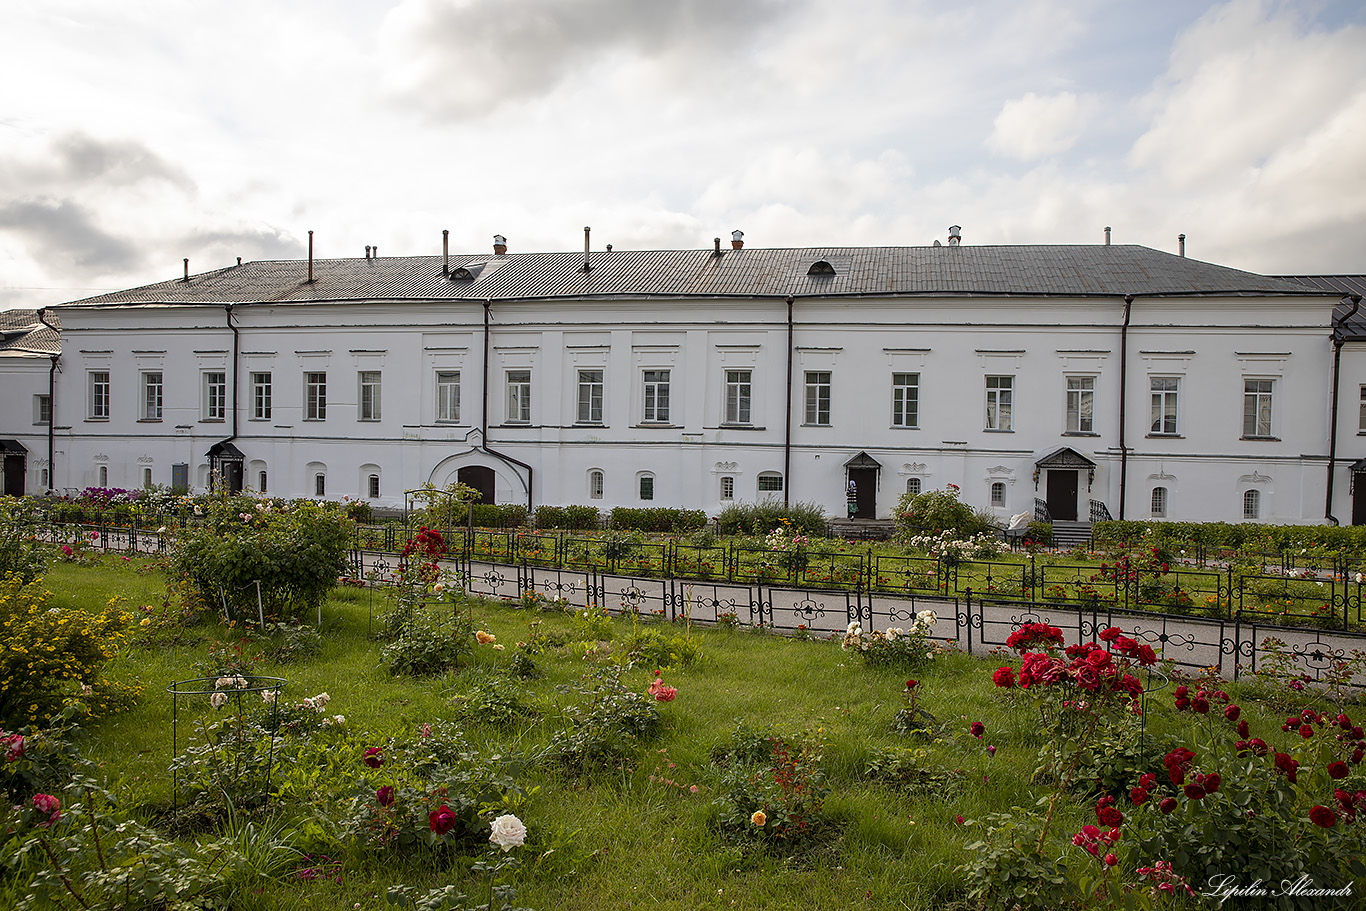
1096 380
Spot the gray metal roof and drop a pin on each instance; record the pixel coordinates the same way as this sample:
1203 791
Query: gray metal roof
1032 270
20 332
1348 324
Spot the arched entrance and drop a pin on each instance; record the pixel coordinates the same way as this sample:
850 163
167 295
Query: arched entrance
481 478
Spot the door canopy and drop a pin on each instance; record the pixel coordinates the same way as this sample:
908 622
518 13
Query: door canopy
1065 458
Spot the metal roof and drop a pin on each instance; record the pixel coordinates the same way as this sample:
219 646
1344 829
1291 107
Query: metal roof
1353 329
1025 270
22 333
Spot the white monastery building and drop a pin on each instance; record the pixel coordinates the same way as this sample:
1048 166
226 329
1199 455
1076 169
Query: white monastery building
1093 381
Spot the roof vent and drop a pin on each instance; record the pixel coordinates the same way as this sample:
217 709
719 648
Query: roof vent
737 239
1181 244
1107 235
821 267
955 235
469 271
500 245
937 243
367 252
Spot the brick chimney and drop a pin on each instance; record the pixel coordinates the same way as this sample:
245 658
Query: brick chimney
500 245
737 239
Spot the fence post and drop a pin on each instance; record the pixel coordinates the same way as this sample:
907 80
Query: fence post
967 613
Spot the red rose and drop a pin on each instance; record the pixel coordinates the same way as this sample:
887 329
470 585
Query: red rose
1138 797
1337 770
1146 655
1243 729
1110 634
1356 755
1126 645
1004 677
1167 805
1212 782
1087 677
977 729
1098 659
1232 712
1322 816
1182 703
1200 705
442 819
1147 781
374 758
1306 731
1182 690
385 796
1258 746
1111 817
1344 722
1194 791
910 684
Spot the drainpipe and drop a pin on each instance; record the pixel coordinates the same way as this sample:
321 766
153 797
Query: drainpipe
236 346
51 402
484 417
787 431
1123 400
1339 331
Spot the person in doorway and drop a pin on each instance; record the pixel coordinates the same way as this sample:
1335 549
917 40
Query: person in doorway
853 498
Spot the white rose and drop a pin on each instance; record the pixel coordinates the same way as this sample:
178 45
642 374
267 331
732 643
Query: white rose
218 700
508 832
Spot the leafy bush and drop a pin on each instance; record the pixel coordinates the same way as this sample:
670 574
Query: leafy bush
572 518
21 554
493 701
661 519
427 645
912 771
605 732
49 655
758 519
936 511
779 797
490 515
651 648
295 550
907 648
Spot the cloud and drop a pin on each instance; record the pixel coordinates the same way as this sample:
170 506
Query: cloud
63 237
468 58
1035 126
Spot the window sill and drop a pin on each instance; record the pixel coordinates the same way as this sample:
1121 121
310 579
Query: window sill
98 420
1262 439
656 425
905 427
149 420
211 420
1165 436
588 424
1079 433
261 420
997 430
804 424
738 427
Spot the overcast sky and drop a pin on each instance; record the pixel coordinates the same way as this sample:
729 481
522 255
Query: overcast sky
137 133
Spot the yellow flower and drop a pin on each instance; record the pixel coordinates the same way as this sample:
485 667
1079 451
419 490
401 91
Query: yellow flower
758 818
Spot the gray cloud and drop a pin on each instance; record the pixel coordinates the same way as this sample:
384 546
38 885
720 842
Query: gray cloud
62 236
473 57
221 247
76 159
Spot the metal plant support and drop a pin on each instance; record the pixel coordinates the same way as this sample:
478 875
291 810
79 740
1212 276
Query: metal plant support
207 688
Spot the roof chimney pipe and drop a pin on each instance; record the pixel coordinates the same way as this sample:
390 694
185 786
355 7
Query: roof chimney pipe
586 264
239 260
367 253
310 257
500 245
187 268
445 253
737 239
1107 235
1181 244
955 235
717 242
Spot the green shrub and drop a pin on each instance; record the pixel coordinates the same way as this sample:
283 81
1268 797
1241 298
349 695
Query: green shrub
490 515
295 550
936 511
427 645
778 798
657 519
606 731
758 519
21 554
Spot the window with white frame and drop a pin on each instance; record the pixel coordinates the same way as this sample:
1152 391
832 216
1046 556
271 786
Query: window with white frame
647 486
146 478
818 397
1000 391
770 482
1257 407
1159 503
320 485
261 482
215 396
727 487
905 400
998 493
1081 404
260 396
104 475
42 409
448 396
913 486
99 395
1165 390
372 485
738 393
596 481
590 397
1252 504
369 395
152 390
656 397
519 397
315 397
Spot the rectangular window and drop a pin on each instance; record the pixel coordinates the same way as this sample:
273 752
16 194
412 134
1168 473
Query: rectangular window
1165 390
215 396
261 482
151 396
369 395
374 486
1257 407
738 391
647 487
260 397
656 397
448 397
818 397
999 390
320 485
905 400
146 478
519 397
770 483
1081 404
590 396
42 409
1361 417
99 395
595 483
727 487
315 397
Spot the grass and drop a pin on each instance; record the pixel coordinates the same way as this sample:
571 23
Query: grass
621 839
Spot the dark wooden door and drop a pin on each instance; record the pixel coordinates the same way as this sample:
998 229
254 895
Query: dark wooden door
865 492
1359 500
1062 495
480 477
14 475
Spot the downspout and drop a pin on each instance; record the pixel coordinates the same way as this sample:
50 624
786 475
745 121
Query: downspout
1339 330
51 402
787 430
484 417
1123 400
236 344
